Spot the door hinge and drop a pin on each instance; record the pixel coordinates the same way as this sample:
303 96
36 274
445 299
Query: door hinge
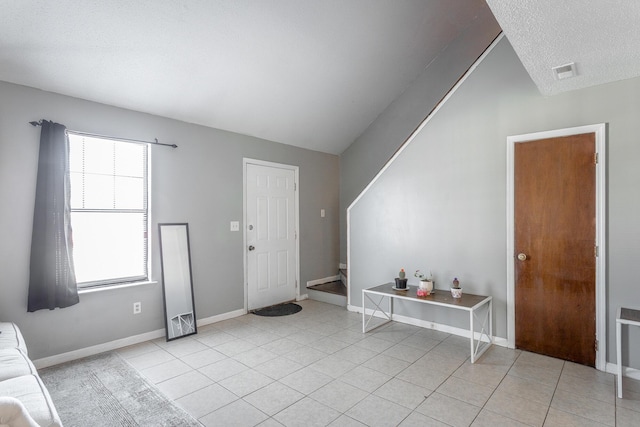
595 251
295 186
596 346
595 158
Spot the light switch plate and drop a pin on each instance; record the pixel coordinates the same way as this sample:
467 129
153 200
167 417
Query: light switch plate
235 226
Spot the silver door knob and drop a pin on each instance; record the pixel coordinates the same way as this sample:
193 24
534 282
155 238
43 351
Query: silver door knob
251 247
522 256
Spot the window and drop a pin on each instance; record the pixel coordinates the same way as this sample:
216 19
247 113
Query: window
109 210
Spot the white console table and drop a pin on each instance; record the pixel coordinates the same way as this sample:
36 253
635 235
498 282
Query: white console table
626 316
469 302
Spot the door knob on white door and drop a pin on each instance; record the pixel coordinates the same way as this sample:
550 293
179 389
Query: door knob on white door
251 247
522 256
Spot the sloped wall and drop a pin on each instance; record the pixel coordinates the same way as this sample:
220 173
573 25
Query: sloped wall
370 151
441 205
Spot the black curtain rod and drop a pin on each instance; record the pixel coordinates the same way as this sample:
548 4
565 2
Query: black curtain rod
113 138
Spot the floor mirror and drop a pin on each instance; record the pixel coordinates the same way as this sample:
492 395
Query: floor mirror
177 283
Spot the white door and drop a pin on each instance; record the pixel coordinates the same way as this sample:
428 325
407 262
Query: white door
270 235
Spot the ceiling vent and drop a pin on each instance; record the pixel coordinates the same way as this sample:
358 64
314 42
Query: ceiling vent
565 71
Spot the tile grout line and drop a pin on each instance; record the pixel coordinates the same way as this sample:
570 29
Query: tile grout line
493 392
324 327
546 415
305 395
274 381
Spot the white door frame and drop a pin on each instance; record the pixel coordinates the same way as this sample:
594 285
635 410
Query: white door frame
601 231
295 169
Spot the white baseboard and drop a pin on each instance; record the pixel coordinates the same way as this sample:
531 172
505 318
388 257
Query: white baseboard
96 349
632 373
502 342
303 297
321 281
221 317
123 342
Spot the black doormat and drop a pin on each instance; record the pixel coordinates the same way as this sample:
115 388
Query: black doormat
279 310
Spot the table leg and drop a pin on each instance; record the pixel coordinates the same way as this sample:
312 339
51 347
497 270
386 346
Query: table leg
473 334
374 311
364 309
491 321
619 356
486 329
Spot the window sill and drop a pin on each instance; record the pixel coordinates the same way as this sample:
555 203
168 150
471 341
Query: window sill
82 291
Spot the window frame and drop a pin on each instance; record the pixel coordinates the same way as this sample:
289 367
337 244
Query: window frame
116 282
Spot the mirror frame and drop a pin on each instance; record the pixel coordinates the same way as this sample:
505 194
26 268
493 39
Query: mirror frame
164 285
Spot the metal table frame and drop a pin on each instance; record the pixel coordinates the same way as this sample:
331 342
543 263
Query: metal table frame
469 302
626 316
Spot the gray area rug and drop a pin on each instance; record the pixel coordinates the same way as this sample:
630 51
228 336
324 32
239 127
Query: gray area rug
104 390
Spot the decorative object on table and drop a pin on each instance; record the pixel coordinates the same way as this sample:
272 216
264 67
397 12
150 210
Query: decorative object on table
426 283
456 290
401 281
401 284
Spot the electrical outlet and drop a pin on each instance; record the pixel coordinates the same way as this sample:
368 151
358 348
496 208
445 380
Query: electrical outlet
137 307
235 226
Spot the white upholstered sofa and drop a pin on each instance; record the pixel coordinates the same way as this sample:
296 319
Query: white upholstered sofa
24 400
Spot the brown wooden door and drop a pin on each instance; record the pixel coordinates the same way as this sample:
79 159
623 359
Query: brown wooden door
555 217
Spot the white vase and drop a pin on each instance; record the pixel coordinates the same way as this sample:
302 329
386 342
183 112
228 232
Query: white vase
427 285
456 292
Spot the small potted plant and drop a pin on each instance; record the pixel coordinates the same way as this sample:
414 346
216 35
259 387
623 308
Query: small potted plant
426 282
456 290
401 280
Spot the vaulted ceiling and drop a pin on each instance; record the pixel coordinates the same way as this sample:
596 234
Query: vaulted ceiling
313 74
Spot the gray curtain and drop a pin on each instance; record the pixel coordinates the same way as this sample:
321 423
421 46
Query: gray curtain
52 281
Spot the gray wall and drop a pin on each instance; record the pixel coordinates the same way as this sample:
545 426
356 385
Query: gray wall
441 205
368 154
200 183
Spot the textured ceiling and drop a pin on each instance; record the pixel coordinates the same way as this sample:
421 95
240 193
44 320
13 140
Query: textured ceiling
601 37
313 74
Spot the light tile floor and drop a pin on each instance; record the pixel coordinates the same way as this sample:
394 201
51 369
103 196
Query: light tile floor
316 368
